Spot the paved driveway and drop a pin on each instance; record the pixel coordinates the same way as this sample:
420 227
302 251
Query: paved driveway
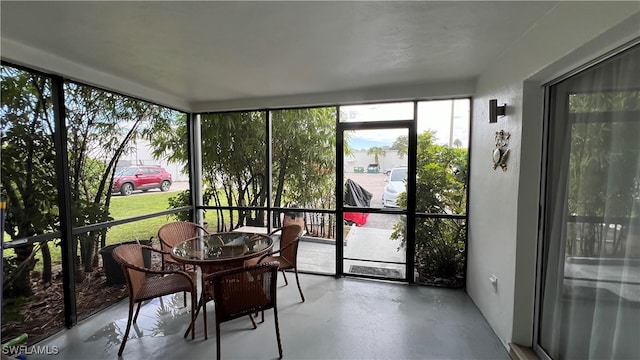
374 183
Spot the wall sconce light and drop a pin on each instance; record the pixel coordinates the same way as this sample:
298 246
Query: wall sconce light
495 110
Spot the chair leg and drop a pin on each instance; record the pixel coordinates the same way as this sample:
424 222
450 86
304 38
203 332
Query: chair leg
126 333
217 339
253 322
298 281
135 318
204 315
275 315
195 316
184 293
285 278
194 301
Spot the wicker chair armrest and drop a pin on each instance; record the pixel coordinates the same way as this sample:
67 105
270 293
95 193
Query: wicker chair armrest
189 276
280 229
274 231
217 237
277 251
254 238
150 248
157 272
164 243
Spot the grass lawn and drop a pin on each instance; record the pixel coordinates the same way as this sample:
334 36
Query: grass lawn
123 207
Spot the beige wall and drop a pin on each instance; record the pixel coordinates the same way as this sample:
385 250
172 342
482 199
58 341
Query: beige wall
504 205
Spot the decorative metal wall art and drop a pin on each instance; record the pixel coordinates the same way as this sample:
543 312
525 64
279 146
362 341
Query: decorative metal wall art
501 153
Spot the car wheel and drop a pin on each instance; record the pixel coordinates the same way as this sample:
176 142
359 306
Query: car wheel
165 185
126 189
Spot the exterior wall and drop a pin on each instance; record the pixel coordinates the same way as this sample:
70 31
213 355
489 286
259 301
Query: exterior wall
141 154
503 214
360 158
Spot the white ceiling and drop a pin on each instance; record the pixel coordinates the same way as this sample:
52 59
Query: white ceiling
185 54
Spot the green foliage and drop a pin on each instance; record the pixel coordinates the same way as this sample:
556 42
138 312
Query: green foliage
84 213
121 207
603 153
234 167
440 245
401 145
28 168
28 165
441 177
376 151
304 157
440 189
598 102
233 153
101 127
183 198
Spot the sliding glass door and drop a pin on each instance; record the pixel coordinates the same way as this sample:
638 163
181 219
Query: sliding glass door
589 304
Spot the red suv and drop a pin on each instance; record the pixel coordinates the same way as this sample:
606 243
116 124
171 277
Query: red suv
142 178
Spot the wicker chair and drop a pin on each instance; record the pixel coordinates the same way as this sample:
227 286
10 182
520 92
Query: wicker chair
240 292
174 233
288 253
142 287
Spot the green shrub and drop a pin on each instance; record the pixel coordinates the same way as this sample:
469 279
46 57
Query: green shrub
440 189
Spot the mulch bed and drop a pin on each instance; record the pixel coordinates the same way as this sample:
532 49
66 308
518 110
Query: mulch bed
43 314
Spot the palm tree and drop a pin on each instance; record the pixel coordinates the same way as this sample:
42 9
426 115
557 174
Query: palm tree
376 151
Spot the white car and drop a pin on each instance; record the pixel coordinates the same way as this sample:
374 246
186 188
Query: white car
396 184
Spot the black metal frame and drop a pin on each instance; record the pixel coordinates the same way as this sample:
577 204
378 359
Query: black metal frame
67 232
410 211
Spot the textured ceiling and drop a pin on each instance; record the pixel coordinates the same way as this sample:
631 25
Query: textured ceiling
199 52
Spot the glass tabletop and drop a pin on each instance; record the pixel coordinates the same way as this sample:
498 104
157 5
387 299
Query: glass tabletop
221 247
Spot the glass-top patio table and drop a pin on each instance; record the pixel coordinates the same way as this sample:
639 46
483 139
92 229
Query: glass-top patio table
220 251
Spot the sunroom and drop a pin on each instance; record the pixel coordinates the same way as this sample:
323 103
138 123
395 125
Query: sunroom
513 127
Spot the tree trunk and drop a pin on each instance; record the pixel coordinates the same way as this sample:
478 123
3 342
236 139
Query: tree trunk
21 284
87 256
79 273
46 262
96 250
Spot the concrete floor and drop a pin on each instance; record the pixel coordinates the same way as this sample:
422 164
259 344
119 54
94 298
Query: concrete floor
366 243
341 319
370 244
